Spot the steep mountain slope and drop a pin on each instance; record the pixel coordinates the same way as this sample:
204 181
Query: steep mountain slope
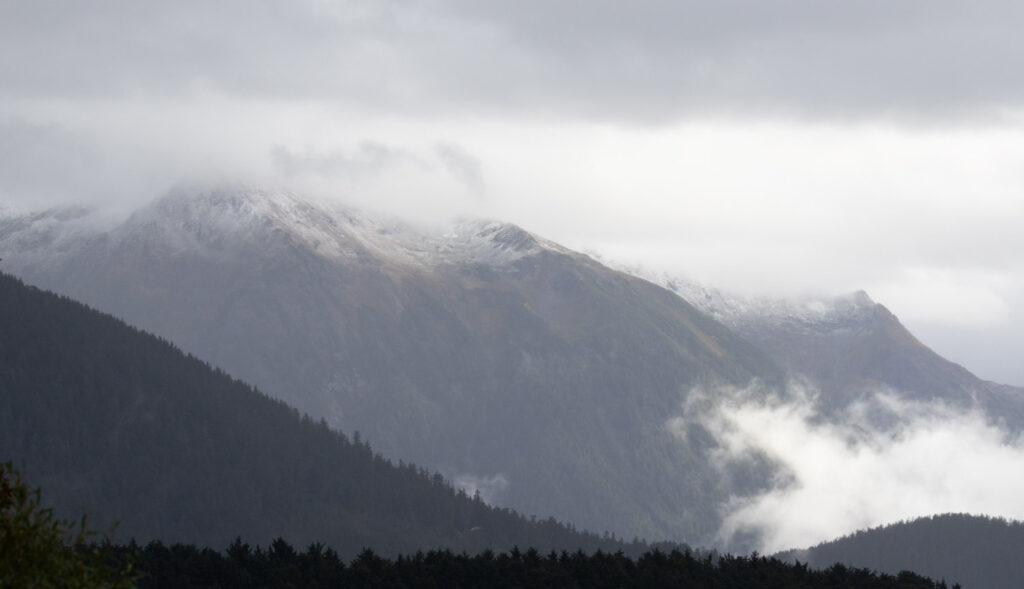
119 425
530 373
850 347
977 552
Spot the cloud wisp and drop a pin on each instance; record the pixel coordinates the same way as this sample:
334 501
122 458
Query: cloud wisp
840 475
489 488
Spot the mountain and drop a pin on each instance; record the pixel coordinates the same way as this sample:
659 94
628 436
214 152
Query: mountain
522 370
850 347
977 552
123 427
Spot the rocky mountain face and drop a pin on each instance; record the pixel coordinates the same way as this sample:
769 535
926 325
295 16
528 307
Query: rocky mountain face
527 372
849 347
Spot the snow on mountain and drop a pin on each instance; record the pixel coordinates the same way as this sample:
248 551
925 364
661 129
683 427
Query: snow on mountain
219 221
848 346
31 240
492 242
809 314
229 218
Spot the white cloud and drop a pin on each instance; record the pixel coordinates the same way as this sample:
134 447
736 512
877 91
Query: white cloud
30 155
490 488
464 166
840 476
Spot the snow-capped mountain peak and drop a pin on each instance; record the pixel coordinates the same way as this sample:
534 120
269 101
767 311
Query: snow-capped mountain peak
228 220
492 242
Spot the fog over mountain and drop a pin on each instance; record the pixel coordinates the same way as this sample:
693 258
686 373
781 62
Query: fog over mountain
543 379
875 428
839 473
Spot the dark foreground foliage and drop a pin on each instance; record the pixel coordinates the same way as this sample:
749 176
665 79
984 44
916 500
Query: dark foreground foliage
39 550
280 565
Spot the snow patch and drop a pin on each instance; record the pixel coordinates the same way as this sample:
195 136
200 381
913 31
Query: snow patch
738 312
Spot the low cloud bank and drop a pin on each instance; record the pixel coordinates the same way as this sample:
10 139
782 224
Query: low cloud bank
881 460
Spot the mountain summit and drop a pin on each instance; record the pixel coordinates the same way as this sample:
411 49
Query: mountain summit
226 218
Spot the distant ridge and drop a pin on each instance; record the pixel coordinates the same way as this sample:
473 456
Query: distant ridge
976 551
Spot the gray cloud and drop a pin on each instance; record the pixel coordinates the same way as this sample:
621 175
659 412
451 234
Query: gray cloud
369 158
428 185
49 164
43 163
645 61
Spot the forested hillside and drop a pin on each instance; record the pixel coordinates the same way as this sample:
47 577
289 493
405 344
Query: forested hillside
120 425
976 551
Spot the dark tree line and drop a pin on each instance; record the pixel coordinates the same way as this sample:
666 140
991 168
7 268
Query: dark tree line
280 565
37 550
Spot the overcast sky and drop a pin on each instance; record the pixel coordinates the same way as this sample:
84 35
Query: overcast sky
784 148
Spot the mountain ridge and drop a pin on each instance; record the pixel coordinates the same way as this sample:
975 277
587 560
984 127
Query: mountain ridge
534 374
485 352
848 347
977 551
